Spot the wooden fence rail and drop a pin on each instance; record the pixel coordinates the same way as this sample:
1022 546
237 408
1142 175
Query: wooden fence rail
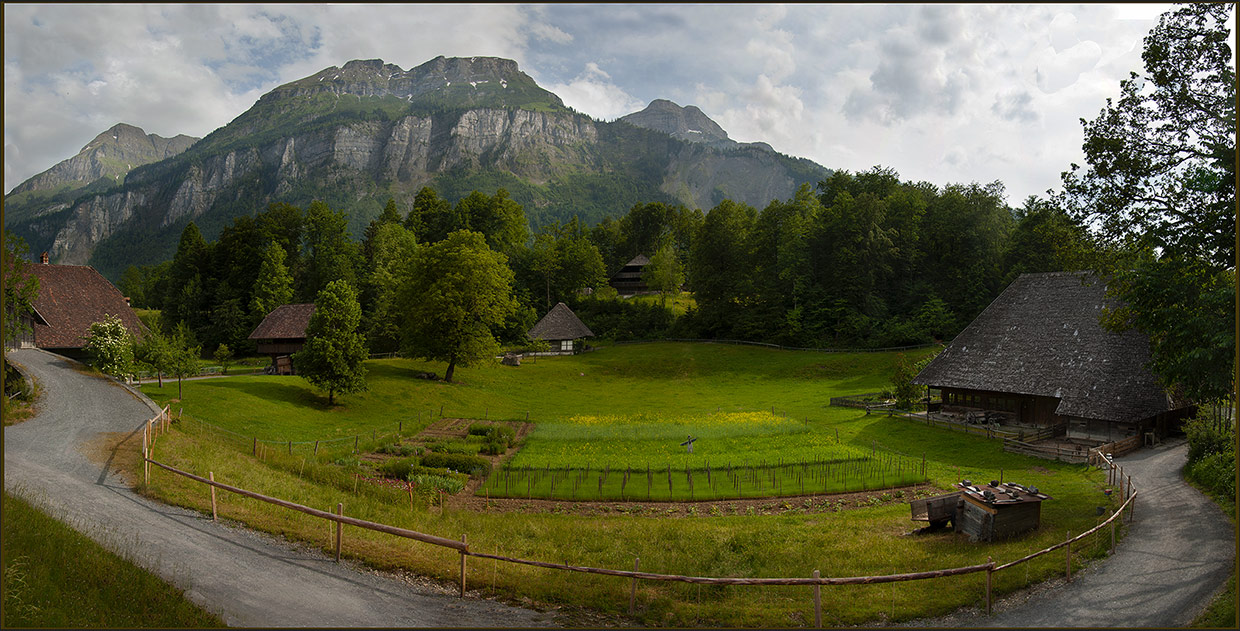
1114 473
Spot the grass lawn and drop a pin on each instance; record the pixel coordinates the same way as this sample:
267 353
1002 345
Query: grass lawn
651 381
55 577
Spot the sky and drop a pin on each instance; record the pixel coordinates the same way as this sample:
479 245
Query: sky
942 93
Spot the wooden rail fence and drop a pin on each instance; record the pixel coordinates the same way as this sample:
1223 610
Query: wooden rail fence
162 422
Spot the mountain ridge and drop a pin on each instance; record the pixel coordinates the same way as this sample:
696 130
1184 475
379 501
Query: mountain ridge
357 134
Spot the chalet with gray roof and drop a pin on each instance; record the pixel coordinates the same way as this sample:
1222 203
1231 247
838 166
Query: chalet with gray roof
562 329
70 299
628 281
1039 355
282 333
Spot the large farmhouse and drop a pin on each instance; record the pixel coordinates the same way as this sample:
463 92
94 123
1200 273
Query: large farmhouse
562 329
1039 356
282 333
70 299
628 281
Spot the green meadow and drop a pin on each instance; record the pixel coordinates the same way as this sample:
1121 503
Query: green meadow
766 408
55 577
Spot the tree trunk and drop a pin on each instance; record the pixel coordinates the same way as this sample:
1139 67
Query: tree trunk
331 398
447 375
161 377
179 395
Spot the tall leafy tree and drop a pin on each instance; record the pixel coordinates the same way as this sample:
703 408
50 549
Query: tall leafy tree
330 254
458 293
1160 178
187 294
499 218
20 289
720 270
274 285
393 247
432 218
664 273
335 349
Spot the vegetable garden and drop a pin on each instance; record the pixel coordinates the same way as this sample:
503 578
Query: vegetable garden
736 455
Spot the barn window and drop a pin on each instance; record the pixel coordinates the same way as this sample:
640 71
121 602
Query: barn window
566 345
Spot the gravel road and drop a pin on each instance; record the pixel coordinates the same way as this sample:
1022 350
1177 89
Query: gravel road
247 578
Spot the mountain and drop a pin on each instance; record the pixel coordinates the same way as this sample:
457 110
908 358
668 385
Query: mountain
686 123
357 135
102 163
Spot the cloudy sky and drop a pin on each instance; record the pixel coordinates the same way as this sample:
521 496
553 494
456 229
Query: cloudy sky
942 93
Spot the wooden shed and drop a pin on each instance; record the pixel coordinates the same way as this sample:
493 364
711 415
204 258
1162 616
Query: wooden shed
282 333
562 329
1039 357
628 281
989 512
984 512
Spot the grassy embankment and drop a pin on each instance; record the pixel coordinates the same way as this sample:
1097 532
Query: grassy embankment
856 538
55 577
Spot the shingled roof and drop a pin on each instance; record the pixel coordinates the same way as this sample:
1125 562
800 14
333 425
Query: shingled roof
1042 337
286 322
71 298
560 324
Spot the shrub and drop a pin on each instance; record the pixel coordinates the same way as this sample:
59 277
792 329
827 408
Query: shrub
479 429
453 447
464 463
450 483
398 468
397 449
493 448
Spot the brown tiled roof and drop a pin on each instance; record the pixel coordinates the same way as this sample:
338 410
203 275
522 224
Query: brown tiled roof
560 324
1042 336
284 322
71 298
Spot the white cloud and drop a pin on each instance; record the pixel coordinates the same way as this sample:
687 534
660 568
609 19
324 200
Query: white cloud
592 92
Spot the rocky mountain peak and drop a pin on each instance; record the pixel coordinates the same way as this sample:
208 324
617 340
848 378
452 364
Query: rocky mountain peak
686 123
111 155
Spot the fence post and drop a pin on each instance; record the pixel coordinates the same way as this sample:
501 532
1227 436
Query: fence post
146 454
1112 536
817 602
254 450
214 513
463 567
1069 557
339 528
1132 510
990 568
637 561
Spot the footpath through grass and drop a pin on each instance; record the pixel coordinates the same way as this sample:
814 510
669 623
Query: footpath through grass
55 577
661 381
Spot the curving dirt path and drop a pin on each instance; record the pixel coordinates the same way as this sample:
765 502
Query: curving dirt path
247 578
1179 551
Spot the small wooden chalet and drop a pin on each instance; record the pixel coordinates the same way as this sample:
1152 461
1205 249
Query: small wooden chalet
70 299
1039 357
282 333
628 281
562 329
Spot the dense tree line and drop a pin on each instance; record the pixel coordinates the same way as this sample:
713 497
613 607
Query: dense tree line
863 260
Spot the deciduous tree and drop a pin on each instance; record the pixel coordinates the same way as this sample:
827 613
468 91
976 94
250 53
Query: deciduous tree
335 350
458 293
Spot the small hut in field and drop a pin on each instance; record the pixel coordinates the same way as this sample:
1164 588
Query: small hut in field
562 329
628 281
282 333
